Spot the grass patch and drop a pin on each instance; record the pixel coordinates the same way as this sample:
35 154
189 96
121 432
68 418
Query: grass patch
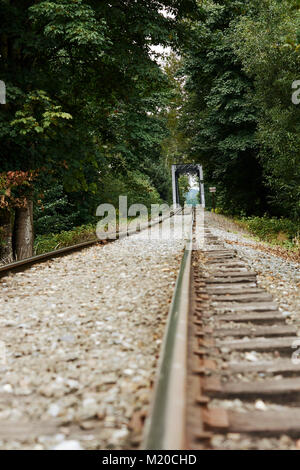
54 241
281 231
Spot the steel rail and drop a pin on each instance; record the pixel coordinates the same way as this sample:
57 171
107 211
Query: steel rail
198 369
165 427
22 265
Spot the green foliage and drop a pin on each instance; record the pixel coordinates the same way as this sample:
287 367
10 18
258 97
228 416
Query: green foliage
55 213
192 197
84 93
86 104
239 118
52 241
219 117
89 106
183 187
38 116
174 145
135 185
272 229
267 44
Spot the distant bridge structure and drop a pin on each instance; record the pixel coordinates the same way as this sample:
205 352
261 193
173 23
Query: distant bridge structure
190 169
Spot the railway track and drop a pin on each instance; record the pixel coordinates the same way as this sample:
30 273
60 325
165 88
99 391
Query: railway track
79 341
22 265
231 350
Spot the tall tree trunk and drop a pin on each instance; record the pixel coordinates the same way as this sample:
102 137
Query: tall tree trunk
23 231
6 249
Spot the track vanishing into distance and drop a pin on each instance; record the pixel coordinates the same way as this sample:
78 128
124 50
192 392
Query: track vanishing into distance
227 379
80 336
22 265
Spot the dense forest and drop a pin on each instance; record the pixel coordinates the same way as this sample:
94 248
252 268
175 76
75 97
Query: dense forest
94 111
239 117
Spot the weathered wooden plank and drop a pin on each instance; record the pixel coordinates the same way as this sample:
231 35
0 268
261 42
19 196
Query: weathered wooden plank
228 264
245 288
285 421
255 317
269 423
221 270
212 256
229 280
251 307
282 330
219 252
271 367
259 344
242 298
268 387
211 261
216 418
233 274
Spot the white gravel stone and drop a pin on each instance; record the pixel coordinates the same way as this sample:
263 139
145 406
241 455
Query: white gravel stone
68 445
54 410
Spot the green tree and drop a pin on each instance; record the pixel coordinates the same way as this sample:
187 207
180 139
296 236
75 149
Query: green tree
220 118
83 91
55 212
175 144
267 43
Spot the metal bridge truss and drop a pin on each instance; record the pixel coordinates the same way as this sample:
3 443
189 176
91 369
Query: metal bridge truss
192 169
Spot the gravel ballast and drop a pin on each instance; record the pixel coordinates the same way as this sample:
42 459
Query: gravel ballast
277 275
280 277
82 336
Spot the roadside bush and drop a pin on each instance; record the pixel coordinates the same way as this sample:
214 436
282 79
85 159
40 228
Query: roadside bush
54 213
135 185
54 241
271 229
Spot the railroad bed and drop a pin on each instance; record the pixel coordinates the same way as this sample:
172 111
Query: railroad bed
82 335
242 385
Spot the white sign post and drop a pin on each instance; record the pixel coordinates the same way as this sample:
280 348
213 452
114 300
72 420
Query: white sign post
213 190
2 92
